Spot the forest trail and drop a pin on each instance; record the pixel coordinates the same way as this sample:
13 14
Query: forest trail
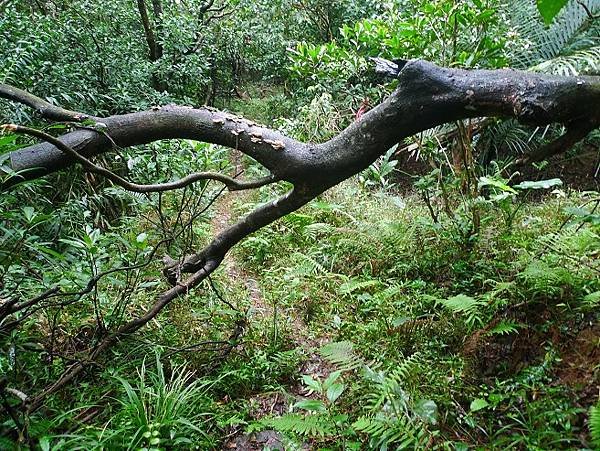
222 219
275 402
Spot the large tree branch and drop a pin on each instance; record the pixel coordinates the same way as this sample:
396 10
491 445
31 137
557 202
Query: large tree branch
230 182
427 96
201 265
272 149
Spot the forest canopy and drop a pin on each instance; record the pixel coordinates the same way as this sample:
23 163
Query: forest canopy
298 224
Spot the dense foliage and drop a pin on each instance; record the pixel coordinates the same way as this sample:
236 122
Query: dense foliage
453 308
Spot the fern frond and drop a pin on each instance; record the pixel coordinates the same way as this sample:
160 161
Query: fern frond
465 305
307 265
358 285
571 30
370 425
387 389
504 328
383 432
506 134
342 355
461 303
313 231
309 425
594 424
406 368
581 62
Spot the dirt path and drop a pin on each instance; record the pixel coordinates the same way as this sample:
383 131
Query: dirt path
266 403
222 219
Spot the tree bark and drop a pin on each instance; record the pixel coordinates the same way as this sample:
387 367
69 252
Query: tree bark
152 36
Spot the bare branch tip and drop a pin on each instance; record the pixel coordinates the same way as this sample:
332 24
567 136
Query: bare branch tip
9 128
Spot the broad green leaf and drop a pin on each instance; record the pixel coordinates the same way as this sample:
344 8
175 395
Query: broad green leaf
583 215
401 320
592 298
550 8
29 213
427 410
478 404
334 392
487 181
45 444
331 379
314 405
312 384
541 184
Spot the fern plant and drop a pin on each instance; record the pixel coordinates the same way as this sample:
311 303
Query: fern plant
467 306
394 417
594 424
391 416
342 355
572 31
316 425
505 327
319 417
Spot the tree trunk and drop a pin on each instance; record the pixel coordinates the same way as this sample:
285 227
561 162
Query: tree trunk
155 48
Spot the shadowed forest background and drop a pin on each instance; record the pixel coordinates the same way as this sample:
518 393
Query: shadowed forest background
445 297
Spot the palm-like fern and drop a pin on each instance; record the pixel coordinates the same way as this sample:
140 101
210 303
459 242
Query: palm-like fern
392 416
306 425
383 431
467 306
569 46
570 42
586 61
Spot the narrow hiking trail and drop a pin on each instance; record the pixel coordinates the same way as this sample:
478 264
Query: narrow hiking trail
222 219
261 311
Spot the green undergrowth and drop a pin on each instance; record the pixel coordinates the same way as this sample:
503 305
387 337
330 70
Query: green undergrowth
371 326
491 327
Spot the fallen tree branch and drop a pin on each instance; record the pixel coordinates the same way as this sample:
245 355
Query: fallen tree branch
427 96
